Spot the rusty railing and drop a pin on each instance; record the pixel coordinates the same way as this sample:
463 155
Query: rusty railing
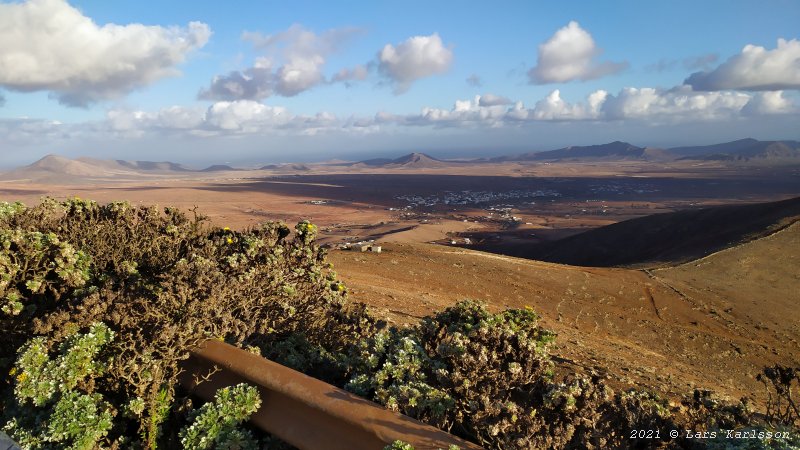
305 412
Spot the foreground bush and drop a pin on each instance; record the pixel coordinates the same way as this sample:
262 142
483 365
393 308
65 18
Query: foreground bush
462 368
487 377
215 426
54 397
163 283
57 403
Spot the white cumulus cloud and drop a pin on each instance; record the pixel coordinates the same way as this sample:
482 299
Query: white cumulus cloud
770 102
244 115
293 62
754 69
238 117
643 105
463 113
493 100
173 118
47 45
680 103
570 55
416 57
553 107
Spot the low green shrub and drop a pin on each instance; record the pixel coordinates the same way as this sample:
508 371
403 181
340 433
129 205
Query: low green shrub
464 369
36 265
164 282
400 445
215 426
55 404
9 209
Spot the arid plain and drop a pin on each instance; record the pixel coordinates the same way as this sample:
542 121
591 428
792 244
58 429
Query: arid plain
711 323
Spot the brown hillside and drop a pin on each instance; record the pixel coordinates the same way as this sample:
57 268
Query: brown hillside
59 165
416 161
664 330
665 238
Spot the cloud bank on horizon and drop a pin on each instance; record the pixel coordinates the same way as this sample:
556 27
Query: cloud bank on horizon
340 82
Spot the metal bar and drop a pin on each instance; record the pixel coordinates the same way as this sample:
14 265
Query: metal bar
305 412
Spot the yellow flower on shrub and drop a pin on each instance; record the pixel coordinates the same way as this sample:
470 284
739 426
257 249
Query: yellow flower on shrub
229 240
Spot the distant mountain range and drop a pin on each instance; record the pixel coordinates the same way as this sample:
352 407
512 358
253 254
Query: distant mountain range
55 168
742 150
615 150
58 169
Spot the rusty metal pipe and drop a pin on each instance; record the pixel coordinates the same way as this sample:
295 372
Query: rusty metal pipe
306 412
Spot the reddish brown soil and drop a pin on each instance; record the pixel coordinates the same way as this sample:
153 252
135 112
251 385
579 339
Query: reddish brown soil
712 325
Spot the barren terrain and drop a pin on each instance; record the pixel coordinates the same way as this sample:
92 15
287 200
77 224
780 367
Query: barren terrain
507 202
712 323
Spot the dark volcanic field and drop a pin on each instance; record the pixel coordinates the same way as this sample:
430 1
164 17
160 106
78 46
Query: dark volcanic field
382 189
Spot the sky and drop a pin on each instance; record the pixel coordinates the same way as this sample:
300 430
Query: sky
207 82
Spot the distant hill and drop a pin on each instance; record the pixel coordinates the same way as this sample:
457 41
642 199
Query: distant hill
741 150
417 161
666 238
218 168
286 167
61 165
375 162
54 168
614 150
58 169
657 154
411 160
136 166
151 165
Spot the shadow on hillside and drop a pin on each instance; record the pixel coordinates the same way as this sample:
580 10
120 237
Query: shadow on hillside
660 239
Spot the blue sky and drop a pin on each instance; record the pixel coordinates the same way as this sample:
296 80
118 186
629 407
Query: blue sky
206 81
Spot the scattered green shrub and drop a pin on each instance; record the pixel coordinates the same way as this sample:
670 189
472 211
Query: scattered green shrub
54 399
215 426
399 445
9 209
165 282
462 369
35 265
